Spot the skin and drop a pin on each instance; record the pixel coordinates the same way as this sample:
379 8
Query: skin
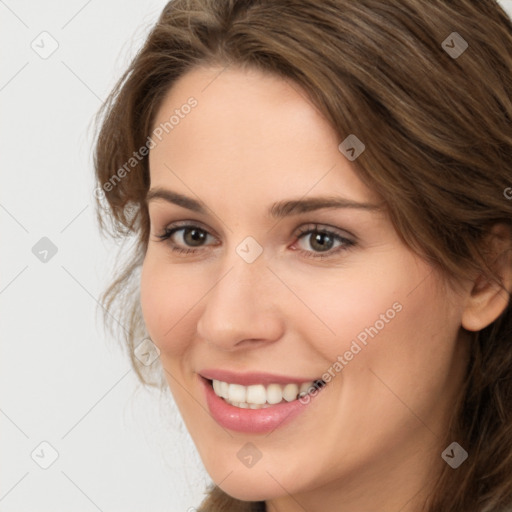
372 438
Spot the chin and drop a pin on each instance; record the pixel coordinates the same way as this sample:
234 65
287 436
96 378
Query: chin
254 488
259 483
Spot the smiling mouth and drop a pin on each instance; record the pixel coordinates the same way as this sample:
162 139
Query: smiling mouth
259 396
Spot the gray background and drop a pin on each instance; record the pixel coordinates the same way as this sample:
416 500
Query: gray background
63 380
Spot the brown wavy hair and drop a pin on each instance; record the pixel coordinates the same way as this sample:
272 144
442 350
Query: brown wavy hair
438 137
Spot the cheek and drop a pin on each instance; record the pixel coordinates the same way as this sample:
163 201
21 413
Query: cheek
168 295
399 350
358 303
388 318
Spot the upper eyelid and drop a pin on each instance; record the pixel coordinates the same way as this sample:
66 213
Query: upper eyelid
174 226
318 226
296 220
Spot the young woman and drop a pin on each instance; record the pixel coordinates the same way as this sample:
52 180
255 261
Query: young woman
321 198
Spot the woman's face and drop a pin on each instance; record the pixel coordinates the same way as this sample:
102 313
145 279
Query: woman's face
276 292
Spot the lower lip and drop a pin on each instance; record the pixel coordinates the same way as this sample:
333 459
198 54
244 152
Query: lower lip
251 420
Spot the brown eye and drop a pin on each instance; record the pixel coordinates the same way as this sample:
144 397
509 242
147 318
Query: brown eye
183 239
322 240
193 236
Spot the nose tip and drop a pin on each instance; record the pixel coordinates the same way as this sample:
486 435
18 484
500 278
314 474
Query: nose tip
241 311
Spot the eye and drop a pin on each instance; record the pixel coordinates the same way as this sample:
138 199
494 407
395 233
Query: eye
186 235
189 238
323 240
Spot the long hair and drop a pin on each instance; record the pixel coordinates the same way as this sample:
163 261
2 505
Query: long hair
427 86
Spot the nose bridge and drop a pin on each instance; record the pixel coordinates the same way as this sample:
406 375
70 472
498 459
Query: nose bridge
241 306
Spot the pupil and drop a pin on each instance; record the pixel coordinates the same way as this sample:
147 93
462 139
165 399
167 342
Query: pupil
195 235
320 239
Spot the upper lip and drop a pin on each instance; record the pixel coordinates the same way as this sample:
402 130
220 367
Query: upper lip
249 378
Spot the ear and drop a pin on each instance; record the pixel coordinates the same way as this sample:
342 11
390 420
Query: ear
487 299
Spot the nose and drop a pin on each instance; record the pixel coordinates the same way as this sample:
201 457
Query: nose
242 310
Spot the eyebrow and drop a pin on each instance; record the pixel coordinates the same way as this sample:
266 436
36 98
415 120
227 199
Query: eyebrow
277 210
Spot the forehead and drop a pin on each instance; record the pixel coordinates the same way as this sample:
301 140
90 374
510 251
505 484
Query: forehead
248 128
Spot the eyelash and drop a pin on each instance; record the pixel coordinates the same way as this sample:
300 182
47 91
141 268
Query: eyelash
305 230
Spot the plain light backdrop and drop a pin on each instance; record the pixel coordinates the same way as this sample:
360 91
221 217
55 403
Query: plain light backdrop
64 382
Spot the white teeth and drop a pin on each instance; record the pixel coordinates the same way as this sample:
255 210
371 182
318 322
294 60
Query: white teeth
304 388
224 389
257 396
274 394
216 387
236 393
256 406
290 392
